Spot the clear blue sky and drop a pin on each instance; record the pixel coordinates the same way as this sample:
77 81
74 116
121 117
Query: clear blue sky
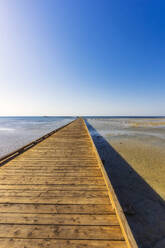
82 57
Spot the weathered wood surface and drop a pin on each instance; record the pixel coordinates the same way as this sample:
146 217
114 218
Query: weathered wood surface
55 195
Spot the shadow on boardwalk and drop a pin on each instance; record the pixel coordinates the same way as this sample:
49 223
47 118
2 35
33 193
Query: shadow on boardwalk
143 207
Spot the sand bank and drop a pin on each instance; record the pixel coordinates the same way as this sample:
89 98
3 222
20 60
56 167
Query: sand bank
135 162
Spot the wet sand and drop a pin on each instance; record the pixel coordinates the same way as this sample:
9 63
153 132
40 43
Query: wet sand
133 154
146 158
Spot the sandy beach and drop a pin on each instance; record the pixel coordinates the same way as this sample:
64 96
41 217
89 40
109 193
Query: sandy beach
146 158
132 151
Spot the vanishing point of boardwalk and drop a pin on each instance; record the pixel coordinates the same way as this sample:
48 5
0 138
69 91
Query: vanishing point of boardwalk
55 196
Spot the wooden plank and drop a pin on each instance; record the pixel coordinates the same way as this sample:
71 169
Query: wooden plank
55 180
59 160
53 193
61 232
58 219
57 209
56 200
51 162
55 157
52 187
61 151
47 169
53 174
52 243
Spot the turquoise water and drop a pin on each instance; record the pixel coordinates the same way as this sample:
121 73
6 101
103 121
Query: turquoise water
18 131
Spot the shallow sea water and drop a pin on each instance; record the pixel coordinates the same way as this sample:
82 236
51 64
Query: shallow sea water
128 127
18 131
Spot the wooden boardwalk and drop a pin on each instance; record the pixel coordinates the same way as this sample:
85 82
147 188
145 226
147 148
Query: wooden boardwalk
55 196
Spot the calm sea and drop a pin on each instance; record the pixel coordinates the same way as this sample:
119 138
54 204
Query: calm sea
18 131
127 127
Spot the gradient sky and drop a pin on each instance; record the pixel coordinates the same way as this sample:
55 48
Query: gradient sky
82 57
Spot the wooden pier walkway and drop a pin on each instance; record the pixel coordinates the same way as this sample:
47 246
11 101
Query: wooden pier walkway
56 195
